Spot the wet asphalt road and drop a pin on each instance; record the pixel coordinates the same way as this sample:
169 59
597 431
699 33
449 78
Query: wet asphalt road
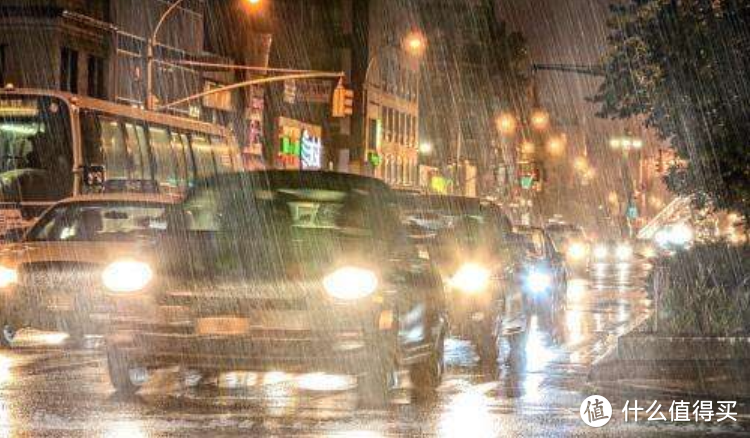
47 389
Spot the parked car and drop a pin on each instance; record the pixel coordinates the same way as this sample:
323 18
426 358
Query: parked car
280 270
50 279
545 278
479 261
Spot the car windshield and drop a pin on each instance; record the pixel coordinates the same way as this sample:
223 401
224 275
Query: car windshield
562 236
260 225
99 221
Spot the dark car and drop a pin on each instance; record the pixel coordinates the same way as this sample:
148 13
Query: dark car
477 253
290 271
544 278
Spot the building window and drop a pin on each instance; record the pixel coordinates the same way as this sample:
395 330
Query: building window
69 70
2 65
96 77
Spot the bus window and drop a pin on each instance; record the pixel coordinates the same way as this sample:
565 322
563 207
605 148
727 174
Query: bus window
138 151
188 158
170 168
117 163
181 153
36 154
205 162
223 154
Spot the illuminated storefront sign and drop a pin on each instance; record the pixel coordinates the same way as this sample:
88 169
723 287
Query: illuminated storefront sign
310 151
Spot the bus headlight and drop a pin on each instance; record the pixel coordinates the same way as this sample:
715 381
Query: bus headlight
471 278
8 276
126 276
624 251
577 251
350 283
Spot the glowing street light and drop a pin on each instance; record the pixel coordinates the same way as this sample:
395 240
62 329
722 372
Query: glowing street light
528 147
506 124
415 43
581 164
540 119
556 146
425 148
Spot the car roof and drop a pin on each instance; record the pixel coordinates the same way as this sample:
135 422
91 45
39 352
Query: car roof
304 179
148 198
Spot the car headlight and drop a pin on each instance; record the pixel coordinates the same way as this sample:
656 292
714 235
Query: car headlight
649 252
350 283
538 281
471 278
8 276
624 251
600 251
576 251
126 276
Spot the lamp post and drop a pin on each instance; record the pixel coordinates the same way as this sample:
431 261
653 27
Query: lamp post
151 48
626 144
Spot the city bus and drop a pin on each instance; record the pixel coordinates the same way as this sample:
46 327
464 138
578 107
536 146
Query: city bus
54 145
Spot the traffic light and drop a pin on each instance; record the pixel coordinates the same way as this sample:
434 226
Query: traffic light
342 104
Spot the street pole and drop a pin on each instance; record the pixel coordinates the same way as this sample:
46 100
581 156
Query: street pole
260 81
150 49
458 157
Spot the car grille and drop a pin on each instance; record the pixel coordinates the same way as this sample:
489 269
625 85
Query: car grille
61 277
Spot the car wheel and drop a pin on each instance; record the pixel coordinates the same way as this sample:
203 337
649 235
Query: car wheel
486 342
426 376
7 335
375 385
124 375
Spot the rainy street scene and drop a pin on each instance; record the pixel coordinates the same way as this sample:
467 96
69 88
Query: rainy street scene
374 218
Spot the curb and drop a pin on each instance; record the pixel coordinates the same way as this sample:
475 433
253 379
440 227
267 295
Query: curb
654 392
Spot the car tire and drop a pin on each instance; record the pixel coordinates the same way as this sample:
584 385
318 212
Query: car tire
486 343
426 376
7 335
375 385
120 369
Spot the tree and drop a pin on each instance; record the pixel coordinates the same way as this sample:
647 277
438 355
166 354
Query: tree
684 66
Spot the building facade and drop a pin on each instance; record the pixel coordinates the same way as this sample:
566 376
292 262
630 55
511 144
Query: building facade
363 40
98 48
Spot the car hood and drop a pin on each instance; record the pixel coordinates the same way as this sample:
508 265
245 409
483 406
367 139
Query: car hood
101 253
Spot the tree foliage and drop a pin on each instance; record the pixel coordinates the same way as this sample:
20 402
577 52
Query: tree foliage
684 65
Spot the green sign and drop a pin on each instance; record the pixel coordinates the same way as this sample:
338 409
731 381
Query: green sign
527 181
289 147
439 184
374 158
632 212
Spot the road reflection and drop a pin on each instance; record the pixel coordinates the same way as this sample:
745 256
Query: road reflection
535 371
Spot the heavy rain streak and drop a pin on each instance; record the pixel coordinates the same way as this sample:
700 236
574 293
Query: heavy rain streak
374 218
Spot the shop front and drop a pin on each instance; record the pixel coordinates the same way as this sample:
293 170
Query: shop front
299 145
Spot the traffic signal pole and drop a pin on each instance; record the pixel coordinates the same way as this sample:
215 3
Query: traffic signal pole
260 81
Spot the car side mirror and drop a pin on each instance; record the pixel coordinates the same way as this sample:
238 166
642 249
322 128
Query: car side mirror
93 175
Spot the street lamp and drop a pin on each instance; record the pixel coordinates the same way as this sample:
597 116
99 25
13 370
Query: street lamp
539 119
152 47
506 124
415 43
556 146
425 148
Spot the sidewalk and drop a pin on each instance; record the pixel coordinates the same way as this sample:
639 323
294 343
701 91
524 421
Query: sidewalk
722 388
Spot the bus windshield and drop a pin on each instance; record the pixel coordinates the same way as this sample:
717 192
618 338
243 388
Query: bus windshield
35 149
